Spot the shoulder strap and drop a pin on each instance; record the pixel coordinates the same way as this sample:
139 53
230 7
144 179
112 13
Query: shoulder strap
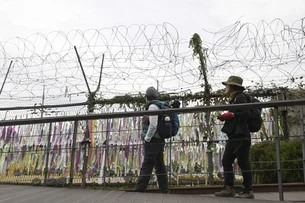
248 97
155 102
245 95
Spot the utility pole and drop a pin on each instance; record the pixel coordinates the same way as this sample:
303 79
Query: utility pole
42 100
9 68
86 143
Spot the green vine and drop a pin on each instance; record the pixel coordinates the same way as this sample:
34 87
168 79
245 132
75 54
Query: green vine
91 100
198 50
216 97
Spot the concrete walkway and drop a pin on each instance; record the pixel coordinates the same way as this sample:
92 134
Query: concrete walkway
32 194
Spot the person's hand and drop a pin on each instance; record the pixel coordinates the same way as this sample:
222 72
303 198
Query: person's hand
147 140
226 116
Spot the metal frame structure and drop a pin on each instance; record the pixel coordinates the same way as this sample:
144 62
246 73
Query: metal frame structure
78 118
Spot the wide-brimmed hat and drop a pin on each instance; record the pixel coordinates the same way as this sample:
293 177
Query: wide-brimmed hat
234 80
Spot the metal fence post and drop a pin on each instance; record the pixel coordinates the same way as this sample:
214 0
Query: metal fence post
86 147
46 168
278 155
170 158
106 147
73 153
303 140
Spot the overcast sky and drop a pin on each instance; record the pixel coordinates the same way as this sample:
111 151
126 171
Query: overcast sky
24 17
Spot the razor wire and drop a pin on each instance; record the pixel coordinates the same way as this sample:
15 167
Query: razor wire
139 56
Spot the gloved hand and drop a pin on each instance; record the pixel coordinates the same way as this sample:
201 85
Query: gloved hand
226 116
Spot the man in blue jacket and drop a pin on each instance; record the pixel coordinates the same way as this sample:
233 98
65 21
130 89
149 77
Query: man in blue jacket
153 146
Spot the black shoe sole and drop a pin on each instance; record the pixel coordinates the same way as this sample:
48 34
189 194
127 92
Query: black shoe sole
134 191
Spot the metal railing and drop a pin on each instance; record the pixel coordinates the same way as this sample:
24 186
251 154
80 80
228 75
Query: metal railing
77 127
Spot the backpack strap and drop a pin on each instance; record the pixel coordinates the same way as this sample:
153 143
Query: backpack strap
247 96
160 104
155 102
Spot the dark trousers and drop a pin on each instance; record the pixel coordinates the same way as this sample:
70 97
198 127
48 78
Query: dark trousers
153 158
239 148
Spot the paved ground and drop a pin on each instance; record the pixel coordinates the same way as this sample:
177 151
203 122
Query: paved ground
32 194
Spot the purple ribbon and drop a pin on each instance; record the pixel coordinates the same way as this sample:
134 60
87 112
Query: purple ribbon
9 135
3 133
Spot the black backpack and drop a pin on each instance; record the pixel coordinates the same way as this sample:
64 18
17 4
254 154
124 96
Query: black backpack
168 126
255 119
